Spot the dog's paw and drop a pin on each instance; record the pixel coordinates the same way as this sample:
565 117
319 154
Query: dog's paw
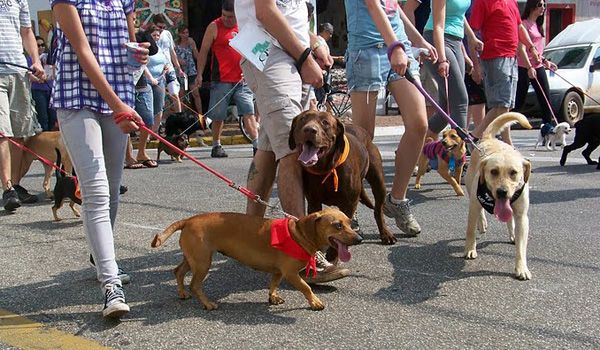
522 273
183 294
209 305
592 162
471 254
460 193
388 238
417 186
276 299
316 304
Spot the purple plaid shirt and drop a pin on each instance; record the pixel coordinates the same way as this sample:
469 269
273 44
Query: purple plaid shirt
105 25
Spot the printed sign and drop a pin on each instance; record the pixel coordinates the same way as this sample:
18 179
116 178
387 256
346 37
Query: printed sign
254 44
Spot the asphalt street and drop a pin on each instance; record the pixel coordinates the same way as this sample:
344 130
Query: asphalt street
419 293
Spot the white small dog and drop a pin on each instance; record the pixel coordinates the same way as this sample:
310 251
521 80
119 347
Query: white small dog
553 135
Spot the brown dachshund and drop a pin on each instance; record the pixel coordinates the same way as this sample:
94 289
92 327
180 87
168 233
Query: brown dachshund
251 241
335 160
180 141
451 148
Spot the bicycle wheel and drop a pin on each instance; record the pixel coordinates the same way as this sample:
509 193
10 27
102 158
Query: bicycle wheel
243 129
339 103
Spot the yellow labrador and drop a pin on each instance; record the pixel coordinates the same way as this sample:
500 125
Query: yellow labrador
497 181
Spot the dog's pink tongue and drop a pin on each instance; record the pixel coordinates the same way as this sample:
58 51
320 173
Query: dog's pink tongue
343 252
502 210
308 156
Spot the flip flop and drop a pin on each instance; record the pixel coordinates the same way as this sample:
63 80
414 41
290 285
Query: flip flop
133 166
148 163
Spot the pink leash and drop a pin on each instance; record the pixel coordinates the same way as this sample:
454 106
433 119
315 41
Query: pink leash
547 101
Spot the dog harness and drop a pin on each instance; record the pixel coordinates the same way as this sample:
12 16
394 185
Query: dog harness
282 240
435 148
486 198
333 172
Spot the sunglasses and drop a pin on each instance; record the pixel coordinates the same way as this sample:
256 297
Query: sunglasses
41 45
541 4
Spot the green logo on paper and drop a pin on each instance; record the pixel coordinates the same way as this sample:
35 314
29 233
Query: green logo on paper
262 50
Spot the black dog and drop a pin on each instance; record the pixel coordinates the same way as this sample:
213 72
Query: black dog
187 122
180 141
587 132
66 187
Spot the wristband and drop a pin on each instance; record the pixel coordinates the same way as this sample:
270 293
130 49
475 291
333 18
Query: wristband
393 46
300 61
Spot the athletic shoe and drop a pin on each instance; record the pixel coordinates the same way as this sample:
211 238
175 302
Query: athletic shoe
24 196
114 301
218 152
326 271
10 200
405 221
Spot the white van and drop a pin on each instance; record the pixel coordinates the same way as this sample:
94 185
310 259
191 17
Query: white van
576 52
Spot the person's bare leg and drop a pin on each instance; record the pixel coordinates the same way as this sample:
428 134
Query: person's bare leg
142 141
129 152
217 128
16 155
176 102
197 100
477 113
5 166
261 177
364 106
157 120
412 105
289 185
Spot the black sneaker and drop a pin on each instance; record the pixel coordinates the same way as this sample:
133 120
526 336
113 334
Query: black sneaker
24 196
11 201
123 276
123 189
114 301
218 152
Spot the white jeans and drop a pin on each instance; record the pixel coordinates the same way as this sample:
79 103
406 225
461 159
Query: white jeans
96 146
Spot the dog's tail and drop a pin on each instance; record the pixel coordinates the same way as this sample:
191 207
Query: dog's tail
58 163
160 238
504 121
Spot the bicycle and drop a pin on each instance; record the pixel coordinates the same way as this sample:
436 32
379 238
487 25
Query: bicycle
336 102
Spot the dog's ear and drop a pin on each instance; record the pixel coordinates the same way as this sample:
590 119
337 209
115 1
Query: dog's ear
526 170
339 134
292 139
482 170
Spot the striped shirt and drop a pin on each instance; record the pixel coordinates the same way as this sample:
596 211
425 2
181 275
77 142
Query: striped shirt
14 15
105 25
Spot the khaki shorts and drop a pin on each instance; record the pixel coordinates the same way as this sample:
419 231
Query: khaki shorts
279 98
17 116
429 84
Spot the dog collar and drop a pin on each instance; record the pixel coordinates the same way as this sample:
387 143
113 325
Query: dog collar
282 240
333 172
486 198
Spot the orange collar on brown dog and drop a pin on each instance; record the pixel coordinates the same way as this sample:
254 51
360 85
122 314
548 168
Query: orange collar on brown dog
339 162
282 240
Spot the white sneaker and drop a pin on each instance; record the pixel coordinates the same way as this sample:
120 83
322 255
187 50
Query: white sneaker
401 213
114 301
326 271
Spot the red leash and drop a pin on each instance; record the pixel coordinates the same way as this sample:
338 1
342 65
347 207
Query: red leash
40 158
119 117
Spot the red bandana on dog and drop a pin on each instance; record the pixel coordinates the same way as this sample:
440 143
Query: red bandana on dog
339 162
282 240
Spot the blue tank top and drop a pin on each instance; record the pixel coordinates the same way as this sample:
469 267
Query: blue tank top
362 32
455 17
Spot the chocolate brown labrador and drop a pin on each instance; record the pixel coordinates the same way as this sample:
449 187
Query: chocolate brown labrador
323 142
247 239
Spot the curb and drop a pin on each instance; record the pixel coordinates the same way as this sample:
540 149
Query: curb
225 140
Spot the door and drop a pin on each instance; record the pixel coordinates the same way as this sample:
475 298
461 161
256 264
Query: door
594 81
558 17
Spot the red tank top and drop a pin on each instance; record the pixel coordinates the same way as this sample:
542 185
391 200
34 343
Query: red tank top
225 65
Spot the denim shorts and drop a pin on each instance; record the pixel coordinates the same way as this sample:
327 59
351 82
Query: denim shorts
500 77
370 70
158 92
144 104
223 93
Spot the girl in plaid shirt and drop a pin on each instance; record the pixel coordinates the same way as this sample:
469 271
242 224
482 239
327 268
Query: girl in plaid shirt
93 82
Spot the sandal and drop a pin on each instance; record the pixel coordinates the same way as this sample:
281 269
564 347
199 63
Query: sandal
148 163
133 166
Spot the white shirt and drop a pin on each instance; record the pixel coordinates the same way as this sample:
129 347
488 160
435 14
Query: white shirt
294 11
166 43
